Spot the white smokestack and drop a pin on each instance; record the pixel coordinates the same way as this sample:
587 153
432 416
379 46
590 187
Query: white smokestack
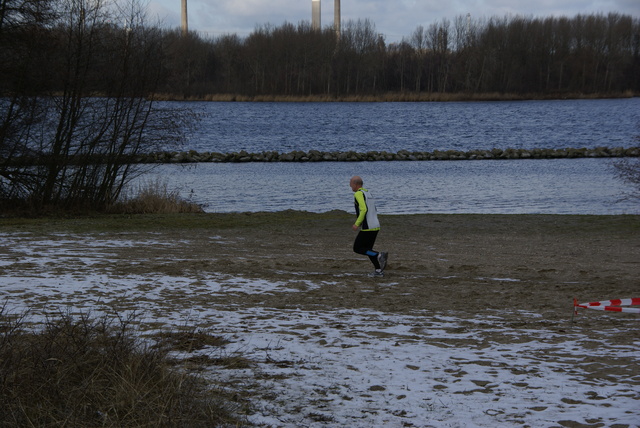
315 14
185 24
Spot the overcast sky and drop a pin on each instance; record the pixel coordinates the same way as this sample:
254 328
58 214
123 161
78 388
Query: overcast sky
393 18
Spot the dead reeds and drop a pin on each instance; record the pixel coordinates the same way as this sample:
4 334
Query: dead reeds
81 372
154 197
406 96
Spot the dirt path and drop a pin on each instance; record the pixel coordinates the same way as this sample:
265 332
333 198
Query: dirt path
462 263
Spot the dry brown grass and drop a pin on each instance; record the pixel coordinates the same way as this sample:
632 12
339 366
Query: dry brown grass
394 97
79 372
154 197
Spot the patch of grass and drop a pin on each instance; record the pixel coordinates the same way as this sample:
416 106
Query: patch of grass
188 341
105 223
522 224
154 197
229 362
82 372
287 221
193 339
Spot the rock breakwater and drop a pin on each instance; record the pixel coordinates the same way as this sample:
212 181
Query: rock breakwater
402 155
337 156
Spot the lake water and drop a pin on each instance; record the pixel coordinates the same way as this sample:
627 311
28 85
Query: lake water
284 127
560 186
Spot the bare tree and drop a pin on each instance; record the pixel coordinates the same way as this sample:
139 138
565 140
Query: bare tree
228 64
23 44
439 61
419 43
360 57
71 144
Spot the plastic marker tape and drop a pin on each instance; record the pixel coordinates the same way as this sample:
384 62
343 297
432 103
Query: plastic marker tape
613 305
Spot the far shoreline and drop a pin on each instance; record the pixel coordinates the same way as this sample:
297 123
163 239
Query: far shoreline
395 97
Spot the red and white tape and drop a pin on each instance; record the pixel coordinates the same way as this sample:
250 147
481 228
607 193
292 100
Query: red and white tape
615 305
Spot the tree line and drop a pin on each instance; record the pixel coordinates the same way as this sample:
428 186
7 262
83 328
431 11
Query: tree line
586 54
553 56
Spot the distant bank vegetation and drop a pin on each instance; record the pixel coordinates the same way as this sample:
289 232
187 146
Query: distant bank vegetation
395 97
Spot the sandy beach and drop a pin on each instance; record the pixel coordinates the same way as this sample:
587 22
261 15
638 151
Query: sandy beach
471 325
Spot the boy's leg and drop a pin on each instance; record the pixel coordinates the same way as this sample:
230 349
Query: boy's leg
364 245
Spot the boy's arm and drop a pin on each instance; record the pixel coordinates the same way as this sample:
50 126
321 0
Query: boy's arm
362 208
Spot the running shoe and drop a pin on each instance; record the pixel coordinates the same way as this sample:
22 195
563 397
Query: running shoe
382 259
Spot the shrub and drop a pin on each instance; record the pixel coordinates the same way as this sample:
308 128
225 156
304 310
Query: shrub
86 373
154 197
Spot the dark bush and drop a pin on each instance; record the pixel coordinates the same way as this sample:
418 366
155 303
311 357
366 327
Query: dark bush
80 372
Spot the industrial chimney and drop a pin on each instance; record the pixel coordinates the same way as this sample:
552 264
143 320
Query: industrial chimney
185 24
315 14
336 17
